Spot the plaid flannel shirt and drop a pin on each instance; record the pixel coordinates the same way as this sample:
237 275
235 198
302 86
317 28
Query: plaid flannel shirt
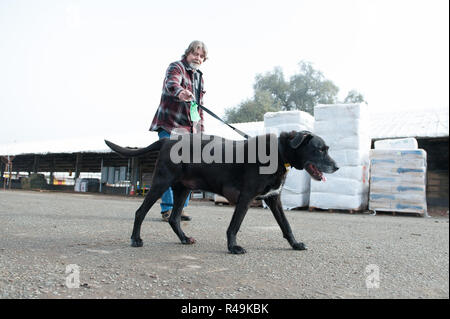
173 113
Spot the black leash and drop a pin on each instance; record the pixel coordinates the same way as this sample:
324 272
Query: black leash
215 116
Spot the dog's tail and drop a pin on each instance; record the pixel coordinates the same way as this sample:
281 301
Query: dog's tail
130 152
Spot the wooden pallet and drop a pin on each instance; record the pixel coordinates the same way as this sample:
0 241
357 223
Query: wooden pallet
298 208
345 211
253 204
220 200
221 203
395 213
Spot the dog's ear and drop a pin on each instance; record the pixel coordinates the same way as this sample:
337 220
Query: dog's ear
300 138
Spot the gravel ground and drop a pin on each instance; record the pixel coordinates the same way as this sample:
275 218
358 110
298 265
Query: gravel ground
42 233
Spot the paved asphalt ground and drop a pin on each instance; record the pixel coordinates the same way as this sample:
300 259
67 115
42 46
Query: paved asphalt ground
42 233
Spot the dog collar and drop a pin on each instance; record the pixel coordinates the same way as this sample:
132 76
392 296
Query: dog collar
280 152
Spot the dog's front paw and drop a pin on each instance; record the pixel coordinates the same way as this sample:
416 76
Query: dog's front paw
188 241
136 242
299 246
237 250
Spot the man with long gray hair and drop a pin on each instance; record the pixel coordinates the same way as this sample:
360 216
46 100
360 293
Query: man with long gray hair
183 83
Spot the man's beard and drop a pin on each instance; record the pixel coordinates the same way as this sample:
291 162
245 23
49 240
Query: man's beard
193 65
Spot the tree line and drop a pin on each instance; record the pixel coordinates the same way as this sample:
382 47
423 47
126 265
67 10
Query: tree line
304 90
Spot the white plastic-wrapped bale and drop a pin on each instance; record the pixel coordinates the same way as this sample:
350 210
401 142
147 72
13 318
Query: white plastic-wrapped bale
345 129
304 119
296 189
332 112
398 181
409 143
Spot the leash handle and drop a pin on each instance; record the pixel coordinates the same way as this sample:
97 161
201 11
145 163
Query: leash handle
216 117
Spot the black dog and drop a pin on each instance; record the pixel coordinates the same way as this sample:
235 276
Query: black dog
240 182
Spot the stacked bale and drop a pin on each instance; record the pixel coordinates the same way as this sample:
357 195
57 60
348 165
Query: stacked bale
398 177
345 129
296 189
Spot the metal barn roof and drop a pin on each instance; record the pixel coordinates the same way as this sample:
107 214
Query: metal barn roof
423 123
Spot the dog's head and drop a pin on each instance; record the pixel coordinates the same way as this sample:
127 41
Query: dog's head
305 150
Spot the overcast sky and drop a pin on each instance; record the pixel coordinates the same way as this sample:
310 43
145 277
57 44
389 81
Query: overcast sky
71 68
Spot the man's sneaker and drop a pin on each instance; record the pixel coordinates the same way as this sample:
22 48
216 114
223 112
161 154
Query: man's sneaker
185 217
165 216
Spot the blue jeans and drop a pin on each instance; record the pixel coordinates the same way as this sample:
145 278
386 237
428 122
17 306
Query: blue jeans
167 197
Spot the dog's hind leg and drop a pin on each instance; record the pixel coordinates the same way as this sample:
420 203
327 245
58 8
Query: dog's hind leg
156 191
241 209
277 210
180 193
